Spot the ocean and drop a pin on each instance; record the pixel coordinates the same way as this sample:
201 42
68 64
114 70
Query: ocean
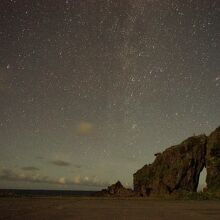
44 193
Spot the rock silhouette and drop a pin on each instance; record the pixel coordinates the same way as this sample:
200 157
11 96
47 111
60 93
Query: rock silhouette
116 190
178 167
213 161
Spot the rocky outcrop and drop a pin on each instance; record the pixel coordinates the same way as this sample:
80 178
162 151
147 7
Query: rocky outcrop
116 190
177 168
213 161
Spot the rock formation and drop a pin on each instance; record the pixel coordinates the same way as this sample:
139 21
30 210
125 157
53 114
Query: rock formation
213 161
116 190
177 168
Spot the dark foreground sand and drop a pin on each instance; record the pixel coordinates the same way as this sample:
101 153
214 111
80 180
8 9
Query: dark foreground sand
106 208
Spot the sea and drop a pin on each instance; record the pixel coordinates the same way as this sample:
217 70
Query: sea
44 193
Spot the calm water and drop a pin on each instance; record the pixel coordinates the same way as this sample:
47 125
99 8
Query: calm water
37 193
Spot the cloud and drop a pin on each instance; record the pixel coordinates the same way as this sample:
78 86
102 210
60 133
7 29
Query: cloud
30 168
62 180
77 166
65 163
84 128
89 181
61 163
11 175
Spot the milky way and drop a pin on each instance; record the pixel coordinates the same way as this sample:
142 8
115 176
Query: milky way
90 90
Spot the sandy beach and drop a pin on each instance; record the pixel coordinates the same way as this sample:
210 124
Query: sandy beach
106 208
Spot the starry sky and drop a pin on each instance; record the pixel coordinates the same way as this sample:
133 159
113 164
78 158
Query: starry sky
91 89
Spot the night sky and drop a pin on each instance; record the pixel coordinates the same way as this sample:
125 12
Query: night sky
90 90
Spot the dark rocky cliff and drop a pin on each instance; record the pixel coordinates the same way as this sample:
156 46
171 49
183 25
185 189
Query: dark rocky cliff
177 168
213 161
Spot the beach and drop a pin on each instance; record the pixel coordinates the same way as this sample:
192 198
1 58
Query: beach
57 208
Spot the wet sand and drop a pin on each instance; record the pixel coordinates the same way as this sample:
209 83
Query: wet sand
106 208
